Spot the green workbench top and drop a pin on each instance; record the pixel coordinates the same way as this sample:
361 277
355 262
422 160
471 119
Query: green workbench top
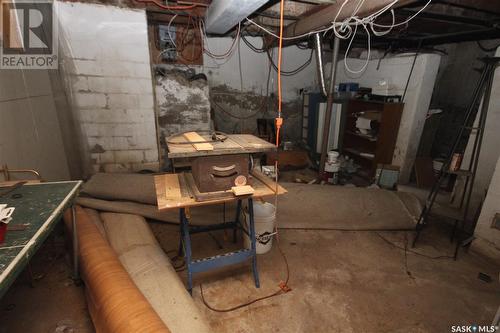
39 206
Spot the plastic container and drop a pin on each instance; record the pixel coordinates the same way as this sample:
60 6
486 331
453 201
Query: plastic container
333 156
264 219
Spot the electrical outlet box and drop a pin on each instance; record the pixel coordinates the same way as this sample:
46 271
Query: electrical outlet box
166 41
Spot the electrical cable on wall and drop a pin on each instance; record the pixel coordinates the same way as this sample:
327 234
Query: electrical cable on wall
224 55
169 32
269 55
346 29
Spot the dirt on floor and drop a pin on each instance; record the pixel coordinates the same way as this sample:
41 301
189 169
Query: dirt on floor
45 298
341 281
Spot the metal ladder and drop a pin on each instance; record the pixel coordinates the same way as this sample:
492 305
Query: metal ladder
483 88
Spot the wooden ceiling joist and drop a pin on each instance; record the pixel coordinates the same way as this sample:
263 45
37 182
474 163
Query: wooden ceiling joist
317 19
489 6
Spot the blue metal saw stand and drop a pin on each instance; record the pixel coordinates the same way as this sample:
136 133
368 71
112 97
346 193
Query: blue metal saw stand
230 258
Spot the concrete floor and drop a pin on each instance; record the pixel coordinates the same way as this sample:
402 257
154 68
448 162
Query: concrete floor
342 282
50 302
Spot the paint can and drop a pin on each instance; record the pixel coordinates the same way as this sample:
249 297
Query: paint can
333 156
332 167
264 215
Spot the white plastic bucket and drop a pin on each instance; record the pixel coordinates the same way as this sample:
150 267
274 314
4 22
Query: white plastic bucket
333 156
264 215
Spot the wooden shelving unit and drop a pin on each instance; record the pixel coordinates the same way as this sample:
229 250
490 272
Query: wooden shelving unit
371 150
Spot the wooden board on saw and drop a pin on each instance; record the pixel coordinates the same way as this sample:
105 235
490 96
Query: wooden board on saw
234 144
195 137
173 191
242 190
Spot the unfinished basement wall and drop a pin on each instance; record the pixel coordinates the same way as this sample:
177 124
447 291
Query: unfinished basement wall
30 135
490 151
239 99
458 76
234 102
396 70
487 239
104 61
183 104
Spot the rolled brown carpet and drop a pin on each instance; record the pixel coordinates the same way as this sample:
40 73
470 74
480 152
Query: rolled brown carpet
115 303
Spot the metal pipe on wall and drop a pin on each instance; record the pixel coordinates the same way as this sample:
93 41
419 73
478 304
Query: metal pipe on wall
329 105
319 63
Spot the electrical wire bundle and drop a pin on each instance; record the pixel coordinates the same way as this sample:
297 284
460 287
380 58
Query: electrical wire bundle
348 28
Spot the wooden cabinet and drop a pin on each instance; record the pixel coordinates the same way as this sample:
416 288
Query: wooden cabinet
368 148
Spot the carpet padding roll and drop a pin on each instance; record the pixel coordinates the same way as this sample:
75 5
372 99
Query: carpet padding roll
150 269
346 208
122 186
117 305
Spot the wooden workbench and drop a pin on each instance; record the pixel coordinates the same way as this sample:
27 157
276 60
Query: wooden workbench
39 207
234 144
172 192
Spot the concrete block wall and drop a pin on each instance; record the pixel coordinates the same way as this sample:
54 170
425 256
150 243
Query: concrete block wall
487 239
104 56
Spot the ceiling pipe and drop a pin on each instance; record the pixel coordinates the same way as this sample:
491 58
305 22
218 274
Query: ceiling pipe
222 15
319 63
329 106
335 58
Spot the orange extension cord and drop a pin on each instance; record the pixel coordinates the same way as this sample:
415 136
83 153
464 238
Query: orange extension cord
279 121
